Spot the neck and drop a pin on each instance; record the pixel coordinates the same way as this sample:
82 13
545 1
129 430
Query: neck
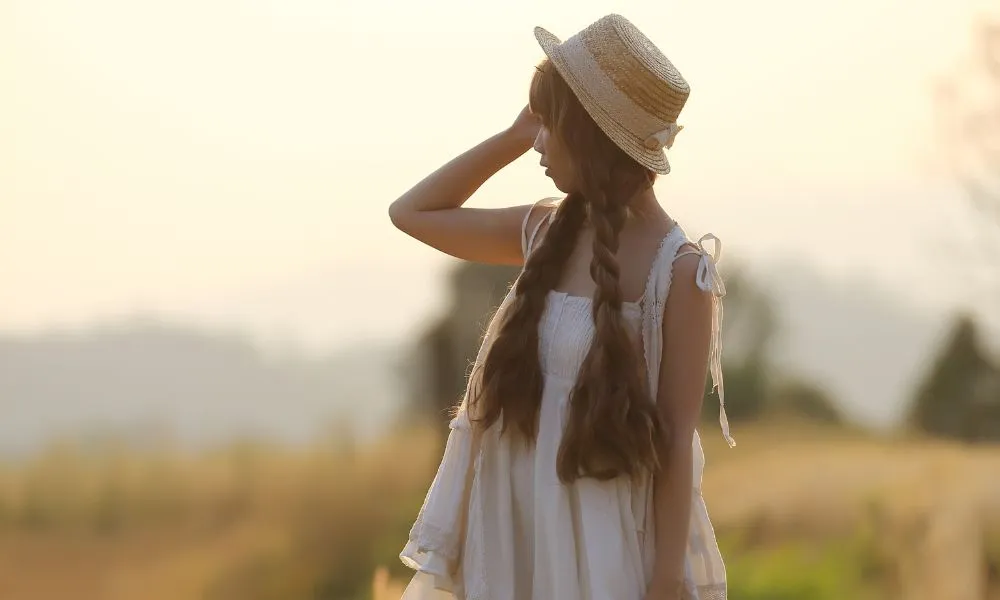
645 204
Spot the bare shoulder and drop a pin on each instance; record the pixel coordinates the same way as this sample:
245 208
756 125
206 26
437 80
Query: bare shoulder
686 297
687 326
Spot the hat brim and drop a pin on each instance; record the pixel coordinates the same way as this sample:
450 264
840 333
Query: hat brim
655 160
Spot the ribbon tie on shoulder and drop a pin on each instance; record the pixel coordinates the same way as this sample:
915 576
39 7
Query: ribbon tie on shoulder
709 280
664 138
708 272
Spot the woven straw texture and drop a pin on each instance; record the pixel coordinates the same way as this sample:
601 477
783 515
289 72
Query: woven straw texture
630 89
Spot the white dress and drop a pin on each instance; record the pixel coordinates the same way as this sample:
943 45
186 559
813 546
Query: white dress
498 524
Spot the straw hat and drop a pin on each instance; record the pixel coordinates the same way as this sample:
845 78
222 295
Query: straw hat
625 83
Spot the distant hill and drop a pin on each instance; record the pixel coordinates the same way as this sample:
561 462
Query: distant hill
862 343
146 378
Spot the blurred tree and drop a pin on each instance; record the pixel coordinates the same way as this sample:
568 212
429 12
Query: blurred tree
802 398
445 352
960 397
969 106
748 331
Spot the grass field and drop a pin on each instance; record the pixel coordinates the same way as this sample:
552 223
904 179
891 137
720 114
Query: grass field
803 513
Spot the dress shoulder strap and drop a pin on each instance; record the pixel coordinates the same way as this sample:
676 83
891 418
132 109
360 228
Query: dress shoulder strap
528 238
675 245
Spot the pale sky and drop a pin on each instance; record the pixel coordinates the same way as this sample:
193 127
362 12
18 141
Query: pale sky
231 161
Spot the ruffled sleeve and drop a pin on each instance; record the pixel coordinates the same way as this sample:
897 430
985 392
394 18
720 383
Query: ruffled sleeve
434 545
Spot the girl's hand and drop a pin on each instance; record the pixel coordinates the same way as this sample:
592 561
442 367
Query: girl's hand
525 127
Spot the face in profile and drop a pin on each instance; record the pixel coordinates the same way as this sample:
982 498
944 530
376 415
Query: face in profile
550 98
555 160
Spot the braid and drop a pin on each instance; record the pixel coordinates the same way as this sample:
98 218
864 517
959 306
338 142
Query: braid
511 368
610 402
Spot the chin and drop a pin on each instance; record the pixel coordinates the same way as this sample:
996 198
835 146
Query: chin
562 187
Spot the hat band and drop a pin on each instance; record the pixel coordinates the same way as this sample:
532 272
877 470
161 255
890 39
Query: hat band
605 96
655 94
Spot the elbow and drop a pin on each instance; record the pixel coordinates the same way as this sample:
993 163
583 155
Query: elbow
397 215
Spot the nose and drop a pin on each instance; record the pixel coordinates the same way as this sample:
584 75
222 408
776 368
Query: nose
538 146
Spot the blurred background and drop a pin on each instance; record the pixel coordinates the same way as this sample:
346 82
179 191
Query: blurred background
224 375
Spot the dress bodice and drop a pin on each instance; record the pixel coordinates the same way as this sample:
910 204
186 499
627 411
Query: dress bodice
566 330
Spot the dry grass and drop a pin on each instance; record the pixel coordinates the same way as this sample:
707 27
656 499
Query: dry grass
929 507
266 523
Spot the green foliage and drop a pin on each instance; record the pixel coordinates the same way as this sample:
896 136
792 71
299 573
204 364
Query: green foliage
801 570
748 331
746 392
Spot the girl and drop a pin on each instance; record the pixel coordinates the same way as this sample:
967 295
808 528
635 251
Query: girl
573 467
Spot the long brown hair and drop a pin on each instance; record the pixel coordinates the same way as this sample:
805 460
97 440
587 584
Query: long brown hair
613 427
